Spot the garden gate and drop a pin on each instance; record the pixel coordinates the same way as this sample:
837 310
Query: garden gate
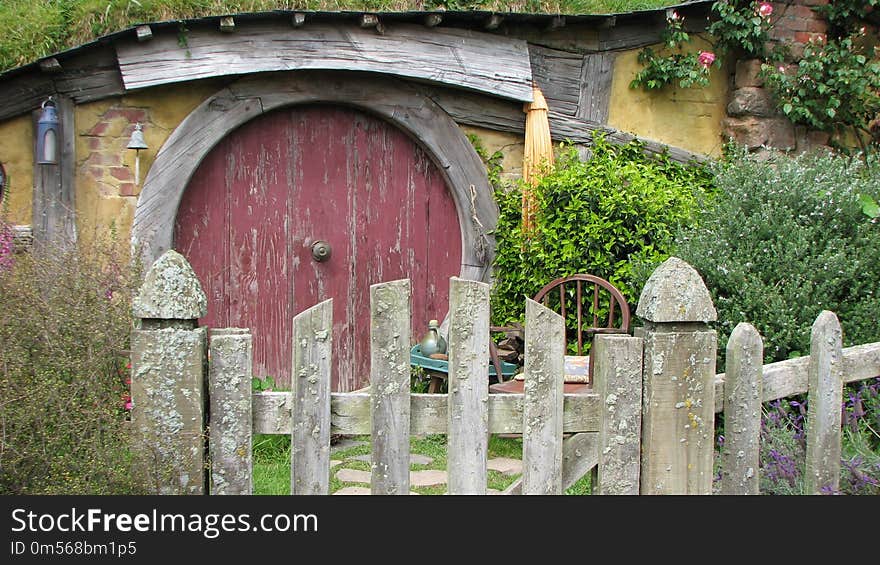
647 427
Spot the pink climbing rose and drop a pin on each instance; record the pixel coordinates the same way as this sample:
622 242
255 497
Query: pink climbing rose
706 58
765 9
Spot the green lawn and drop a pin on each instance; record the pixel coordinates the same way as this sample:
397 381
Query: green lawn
272 463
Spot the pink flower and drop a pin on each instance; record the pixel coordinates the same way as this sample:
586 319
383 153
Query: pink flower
706 58
764 9
127 402
673 16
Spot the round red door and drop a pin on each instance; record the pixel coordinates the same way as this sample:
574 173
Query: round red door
270 190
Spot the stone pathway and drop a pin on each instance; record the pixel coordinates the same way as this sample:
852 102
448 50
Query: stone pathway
425 478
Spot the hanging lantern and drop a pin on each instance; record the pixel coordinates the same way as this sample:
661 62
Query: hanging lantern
47 134
137 143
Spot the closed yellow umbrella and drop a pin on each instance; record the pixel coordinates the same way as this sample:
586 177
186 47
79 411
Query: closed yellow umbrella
537 154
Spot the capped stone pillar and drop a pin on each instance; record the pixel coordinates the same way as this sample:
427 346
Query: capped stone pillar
678 423
168 379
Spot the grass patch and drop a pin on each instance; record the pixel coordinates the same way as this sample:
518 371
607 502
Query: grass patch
272 463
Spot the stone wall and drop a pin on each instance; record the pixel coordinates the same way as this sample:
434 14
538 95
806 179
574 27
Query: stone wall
753 119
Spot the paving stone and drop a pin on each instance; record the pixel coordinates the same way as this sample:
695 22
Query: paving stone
493 491
353 490
353 476
335 462
419 459
427 478
505 465
345 443
414 459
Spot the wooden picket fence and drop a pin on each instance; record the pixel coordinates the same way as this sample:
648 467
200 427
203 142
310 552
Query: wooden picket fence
647 427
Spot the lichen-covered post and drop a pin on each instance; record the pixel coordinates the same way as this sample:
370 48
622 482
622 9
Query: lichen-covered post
743 386
231 414
824 397
468 397
310 415
390 386
618 382
168 380
543 400
678 398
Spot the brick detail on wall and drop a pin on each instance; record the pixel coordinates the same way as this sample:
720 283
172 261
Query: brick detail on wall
107 162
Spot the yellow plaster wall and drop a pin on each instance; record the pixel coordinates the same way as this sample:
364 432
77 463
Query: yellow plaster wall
511 146
689 118
106 191
17 156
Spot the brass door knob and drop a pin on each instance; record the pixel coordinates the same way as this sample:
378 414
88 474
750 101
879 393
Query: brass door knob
321 251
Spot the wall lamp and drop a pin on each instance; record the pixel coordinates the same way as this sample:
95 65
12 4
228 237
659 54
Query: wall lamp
47 134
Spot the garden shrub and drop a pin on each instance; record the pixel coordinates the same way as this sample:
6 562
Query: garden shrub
64 330
600 216
786 239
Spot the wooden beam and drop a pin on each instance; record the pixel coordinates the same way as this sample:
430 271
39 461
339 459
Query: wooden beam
227 24
390 379
310 410
50 65
54 196
350 413
789 377
597 72
144 33
468 415
464 58
298 19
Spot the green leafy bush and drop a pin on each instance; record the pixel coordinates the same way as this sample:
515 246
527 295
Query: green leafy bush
834 86
64 329
786 239
602 216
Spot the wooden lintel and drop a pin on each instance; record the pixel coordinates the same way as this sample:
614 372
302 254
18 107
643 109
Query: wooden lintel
50 65
369 20
227 24
298 19
144 33
433 20
493 21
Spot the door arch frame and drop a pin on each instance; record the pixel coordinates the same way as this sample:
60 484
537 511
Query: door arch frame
398 102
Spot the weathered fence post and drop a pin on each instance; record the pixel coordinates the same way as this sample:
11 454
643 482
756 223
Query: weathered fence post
618 382
390 306
310 415
743 384
543 400
824 400
167 381
468 396
231 417
678 382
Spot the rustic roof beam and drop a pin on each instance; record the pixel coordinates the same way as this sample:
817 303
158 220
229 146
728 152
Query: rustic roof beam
298 19
144 33
433 20
227 24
